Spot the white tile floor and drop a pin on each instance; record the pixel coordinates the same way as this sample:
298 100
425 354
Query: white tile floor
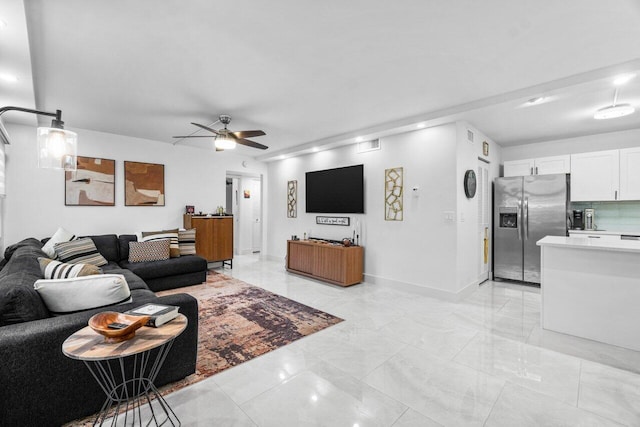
403 359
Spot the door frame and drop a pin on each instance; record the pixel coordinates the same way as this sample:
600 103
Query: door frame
235 175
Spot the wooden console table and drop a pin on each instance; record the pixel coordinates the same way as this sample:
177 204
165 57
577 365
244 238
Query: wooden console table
214 236
337 264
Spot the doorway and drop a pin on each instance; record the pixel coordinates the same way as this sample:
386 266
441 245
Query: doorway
484 217
244 202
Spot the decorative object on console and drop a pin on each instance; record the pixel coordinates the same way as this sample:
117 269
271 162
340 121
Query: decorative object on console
393 194
187 241
189 209
80 251
83 293
153 250
172 235
144 184
57 147
52 269
92 184
333 220
61 235
292 199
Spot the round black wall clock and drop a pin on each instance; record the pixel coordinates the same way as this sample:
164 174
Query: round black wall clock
470 183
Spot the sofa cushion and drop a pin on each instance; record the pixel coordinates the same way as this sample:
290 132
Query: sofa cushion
61 235
107 245
172 235
124 240
83 293
19 302
24 260
154 250
52 269
169 267
187 241
80 251
30 242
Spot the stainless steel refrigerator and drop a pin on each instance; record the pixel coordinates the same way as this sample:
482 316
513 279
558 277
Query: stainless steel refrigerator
526 209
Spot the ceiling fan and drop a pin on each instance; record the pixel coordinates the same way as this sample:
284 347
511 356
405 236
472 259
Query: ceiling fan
226 139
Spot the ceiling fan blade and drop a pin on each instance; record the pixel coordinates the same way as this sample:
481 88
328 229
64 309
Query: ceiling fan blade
248 133
252 144
206 128
195 136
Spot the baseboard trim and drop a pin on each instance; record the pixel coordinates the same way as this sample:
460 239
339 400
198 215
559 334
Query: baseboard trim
423 289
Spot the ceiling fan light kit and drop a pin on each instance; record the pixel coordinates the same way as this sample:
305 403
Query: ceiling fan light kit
224 139
614 110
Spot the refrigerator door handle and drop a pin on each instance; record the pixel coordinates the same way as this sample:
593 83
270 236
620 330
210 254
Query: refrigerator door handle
519 219
525 219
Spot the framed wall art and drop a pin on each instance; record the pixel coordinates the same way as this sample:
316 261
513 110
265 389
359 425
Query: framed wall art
292 199
144 184
393 194
92 184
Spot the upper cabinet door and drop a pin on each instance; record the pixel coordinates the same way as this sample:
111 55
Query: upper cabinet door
630 174
552 165
595 176
519 167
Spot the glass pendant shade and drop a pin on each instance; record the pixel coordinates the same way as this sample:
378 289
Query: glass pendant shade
225 143
57 149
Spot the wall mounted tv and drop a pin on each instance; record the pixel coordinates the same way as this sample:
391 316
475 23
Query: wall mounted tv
339 190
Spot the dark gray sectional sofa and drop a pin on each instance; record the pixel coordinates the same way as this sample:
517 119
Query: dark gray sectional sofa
39 386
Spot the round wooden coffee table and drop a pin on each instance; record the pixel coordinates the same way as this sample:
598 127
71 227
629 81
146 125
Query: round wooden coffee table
128 384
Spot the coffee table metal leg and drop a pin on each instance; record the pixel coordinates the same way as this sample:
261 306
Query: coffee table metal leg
129 395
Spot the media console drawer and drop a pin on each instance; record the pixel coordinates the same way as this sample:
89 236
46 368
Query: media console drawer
335 264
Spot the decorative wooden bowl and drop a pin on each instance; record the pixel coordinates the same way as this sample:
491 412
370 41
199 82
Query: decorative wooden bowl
100 323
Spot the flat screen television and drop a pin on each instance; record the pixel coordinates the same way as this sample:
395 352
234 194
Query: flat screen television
339 190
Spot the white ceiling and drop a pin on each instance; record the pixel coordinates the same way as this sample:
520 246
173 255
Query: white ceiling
311 73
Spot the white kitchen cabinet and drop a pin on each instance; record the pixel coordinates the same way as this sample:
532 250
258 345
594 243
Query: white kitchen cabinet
595 176
629 174
538 166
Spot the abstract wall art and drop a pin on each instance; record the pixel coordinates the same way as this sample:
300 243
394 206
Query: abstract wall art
393 194
144 184
292 199
92 184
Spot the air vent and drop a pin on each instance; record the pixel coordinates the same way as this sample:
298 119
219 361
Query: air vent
469 135
365 146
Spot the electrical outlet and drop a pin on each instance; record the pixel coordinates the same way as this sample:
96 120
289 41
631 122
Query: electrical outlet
449 216
461 216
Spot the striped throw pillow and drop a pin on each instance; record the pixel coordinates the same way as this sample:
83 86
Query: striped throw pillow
52 269
187 241
154 250
172 235
81 251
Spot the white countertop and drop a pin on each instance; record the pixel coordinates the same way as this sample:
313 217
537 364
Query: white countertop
586 243
606 232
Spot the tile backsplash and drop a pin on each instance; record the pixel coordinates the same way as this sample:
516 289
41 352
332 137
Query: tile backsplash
614 216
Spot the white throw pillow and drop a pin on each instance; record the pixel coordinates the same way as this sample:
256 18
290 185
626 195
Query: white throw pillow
61 235
82 293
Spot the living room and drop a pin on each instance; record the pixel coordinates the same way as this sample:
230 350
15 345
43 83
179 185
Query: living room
130 77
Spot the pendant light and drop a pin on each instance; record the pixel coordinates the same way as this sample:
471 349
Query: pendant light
57 147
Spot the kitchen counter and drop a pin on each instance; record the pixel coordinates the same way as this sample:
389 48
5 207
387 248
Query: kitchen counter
606 232
591 244
590 288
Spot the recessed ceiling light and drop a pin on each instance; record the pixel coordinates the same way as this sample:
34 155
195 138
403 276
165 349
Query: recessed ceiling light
536 100
623 78
281 157
614 111
420 125
315 149
359 139
9 78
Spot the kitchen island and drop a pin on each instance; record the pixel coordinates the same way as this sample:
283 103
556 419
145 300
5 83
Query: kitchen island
590 288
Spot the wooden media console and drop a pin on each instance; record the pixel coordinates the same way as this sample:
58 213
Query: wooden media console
337 264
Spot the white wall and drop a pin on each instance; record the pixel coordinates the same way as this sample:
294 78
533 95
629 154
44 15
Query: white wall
583 144
34 206
422 249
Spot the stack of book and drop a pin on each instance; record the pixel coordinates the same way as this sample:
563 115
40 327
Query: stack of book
159 314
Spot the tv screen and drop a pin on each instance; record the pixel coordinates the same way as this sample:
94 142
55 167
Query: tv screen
339 190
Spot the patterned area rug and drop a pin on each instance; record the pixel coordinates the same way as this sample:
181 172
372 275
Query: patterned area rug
237 322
